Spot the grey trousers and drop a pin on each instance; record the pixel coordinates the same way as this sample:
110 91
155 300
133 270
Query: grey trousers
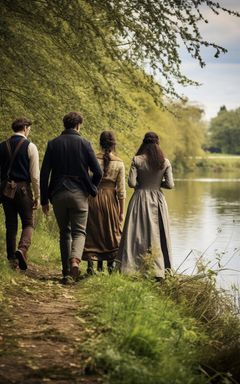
71 211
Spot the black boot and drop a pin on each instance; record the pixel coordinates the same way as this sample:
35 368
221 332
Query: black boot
100 266
90 270
110 265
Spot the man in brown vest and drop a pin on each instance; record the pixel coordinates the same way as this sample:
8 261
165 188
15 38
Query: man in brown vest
19 169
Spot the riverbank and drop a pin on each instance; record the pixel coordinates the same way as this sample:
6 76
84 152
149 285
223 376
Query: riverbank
218 162
114 329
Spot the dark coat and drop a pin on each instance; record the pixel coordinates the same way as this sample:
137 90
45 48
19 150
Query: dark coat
68 158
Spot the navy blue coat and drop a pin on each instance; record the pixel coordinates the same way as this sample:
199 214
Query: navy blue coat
68 159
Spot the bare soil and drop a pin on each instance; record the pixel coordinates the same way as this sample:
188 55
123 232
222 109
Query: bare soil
42 333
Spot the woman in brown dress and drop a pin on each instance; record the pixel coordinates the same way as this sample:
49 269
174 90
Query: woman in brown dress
146 228
106 209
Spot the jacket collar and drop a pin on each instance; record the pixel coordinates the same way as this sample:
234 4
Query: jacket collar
70 132
18 134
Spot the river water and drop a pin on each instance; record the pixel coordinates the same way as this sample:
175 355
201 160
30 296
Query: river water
205 224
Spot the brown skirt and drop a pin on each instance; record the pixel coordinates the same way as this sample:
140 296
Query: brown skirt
103 226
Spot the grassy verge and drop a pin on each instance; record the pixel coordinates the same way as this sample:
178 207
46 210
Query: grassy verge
214 310
146 333
219 163
181 331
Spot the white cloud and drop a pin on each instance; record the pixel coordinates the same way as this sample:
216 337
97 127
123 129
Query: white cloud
220 86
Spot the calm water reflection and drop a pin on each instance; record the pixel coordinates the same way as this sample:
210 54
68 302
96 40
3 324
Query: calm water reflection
205 220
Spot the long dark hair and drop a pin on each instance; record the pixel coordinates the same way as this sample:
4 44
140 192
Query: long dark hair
107 143
150 147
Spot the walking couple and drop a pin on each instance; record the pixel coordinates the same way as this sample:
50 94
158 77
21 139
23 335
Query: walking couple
89 207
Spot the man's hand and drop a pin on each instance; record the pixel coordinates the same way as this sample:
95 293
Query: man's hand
45 209
36 204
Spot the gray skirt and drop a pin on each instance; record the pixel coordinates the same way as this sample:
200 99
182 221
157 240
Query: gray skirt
146 231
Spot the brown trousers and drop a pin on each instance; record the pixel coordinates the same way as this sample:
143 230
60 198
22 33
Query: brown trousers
22 205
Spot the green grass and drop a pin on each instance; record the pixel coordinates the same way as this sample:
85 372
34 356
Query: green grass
181 331
216 163
44 249
7 277
214 310
141 335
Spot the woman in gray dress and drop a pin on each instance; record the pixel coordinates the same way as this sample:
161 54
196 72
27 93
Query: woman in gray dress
146 228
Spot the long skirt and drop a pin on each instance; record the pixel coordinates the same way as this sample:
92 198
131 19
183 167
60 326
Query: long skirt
103 226
145 236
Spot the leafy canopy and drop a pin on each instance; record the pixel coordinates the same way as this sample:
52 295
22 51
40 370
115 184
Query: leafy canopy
88 55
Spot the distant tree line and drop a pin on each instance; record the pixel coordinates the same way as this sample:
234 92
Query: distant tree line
224 132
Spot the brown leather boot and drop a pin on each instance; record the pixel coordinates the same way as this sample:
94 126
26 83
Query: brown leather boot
74 268
24 244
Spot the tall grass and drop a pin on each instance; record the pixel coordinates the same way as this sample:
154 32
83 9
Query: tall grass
142 334
181 331
212 307
45 243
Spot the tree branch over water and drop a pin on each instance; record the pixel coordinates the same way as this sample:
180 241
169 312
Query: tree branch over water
66 54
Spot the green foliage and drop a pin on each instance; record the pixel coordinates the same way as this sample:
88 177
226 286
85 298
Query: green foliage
180 128
183 330
199 298
88 55
52 62
44 249
53 47
151 32
143 337
191 135
219 163
225 131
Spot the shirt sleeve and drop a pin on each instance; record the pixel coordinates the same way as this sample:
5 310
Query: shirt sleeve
34 169
167 181
120 183
132 177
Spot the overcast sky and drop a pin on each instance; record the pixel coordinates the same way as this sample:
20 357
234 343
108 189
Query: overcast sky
220 77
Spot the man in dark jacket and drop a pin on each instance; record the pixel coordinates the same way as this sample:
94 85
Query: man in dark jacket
21 173
68 158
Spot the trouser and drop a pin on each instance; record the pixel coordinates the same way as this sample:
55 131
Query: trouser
22 205
71 211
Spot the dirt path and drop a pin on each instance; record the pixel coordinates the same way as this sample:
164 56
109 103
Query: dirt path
41 333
